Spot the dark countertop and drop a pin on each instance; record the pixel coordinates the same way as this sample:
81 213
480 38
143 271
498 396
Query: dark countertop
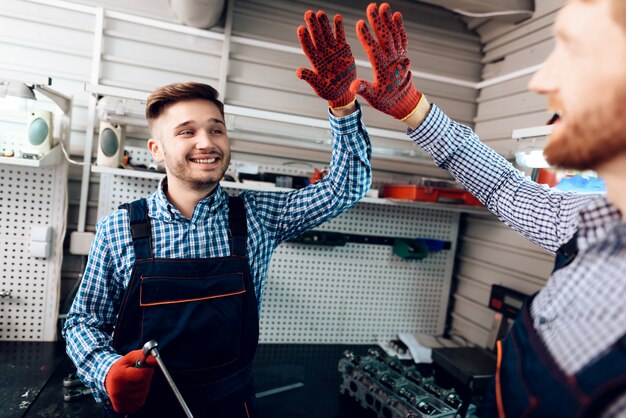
31 381
25 369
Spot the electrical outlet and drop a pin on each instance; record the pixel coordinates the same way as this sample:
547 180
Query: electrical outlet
80 242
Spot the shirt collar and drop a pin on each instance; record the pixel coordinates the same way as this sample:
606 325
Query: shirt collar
204 208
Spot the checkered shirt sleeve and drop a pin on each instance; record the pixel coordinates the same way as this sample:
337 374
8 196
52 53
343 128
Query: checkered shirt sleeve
545 216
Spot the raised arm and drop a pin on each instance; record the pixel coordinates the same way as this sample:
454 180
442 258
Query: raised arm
545 216
284 215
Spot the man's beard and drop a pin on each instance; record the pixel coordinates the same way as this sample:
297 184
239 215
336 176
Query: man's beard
593 139
184 173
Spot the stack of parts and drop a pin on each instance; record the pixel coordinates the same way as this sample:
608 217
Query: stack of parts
386 386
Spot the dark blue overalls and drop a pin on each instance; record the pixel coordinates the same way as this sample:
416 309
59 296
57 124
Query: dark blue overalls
203 314
530 384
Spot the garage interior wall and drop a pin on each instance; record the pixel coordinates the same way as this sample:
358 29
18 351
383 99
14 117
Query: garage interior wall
45 37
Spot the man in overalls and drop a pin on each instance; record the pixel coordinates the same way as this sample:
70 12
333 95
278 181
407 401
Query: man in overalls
187 266
566 353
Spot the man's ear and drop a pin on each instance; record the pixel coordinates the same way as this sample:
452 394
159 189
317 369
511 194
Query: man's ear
155 148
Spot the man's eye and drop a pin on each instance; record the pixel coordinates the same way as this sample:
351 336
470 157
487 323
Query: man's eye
186 132
217 131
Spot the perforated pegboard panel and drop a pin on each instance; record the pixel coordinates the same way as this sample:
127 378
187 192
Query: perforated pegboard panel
115 190
357 293
360 293
30 285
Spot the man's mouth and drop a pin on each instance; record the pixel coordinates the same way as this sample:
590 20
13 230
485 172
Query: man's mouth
557 122
554 118
203 160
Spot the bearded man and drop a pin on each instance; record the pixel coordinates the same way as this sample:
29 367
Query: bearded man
566 354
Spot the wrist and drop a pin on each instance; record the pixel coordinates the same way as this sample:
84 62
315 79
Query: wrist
346 98
344 110
417 116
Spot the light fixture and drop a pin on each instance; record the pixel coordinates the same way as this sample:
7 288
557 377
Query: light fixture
122 111
16 89
530 145
30 114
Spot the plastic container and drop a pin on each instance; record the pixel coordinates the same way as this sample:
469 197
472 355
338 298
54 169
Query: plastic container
429 194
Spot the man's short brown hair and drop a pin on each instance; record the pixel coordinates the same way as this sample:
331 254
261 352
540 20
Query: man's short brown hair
165 96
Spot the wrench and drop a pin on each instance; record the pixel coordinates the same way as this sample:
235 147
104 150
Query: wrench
151 348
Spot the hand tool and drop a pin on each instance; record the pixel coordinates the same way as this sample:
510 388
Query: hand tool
151 348
71 380
70 395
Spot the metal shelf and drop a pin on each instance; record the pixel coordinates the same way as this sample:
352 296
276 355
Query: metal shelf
450 207
248 186
53 157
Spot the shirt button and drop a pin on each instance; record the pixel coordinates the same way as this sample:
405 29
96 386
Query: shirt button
542 320
192 226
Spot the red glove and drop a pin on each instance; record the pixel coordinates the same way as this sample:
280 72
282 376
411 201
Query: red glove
331 59
392 91
128 385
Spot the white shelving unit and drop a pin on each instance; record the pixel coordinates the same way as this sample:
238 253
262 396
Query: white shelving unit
36 196
147 174
52 158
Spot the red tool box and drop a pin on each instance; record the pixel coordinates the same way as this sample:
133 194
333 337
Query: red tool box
429 194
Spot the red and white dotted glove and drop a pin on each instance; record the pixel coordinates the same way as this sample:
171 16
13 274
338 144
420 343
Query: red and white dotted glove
127 384
331 58
392 91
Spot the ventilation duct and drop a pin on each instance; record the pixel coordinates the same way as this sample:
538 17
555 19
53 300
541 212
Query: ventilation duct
201 14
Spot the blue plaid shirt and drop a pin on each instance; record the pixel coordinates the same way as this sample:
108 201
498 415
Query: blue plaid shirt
581 311
273 217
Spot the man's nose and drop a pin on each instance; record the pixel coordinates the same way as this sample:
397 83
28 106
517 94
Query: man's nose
203 139
544 80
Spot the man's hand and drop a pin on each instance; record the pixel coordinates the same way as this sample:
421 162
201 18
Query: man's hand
128 385
392 91
331 59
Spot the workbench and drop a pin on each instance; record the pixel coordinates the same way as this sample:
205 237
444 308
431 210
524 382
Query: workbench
31 381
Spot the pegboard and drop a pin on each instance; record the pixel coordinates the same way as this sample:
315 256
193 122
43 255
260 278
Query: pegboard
361 293
115 190
30 285
357 293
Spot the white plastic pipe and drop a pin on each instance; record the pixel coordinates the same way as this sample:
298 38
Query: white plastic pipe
201 14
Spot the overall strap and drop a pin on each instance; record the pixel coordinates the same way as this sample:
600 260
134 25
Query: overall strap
139 227
566 253
237 224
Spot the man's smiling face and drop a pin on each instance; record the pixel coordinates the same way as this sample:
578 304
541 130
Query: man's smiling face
584 79
190 137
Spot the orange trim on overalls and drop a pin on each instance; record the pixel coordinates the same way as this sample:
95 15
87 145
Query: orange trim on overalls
245 405
169 302
498 388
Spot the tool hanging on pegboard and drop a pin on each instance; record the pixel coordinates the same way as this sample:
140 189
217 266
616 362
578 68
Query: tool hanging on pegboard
406 248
